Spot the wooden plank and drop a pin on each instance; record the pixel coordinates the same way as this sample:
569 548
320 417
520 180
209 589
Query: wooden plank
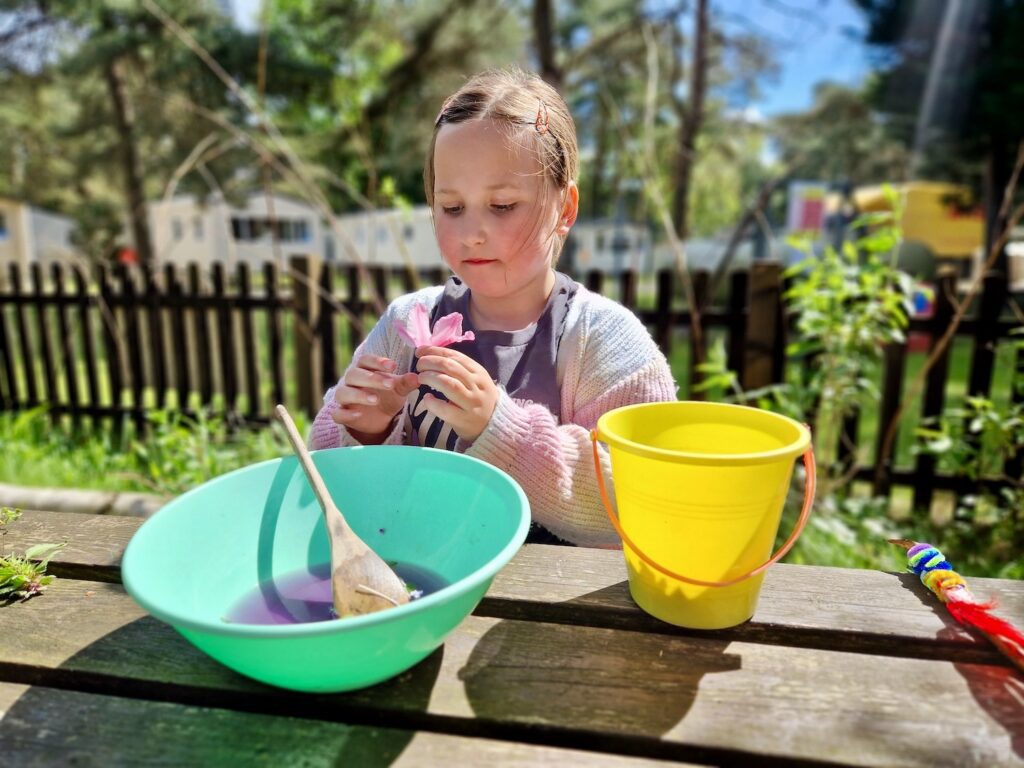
84 316
663 310
95 542
379 286
355 306
894 365
28 356
43 335
670 697
698 347
935 389
200 335
737 322
436 276
137 367
67 343
154 300
327 339
252 382
112 337
270 280
8 383
48 726
1015 464
588 586
627 289
225 338
762 333
179 354
407 275
990 306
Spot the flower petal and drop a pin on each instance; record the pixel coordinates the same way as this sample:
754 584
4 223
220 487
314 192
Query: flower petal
448 330
416 330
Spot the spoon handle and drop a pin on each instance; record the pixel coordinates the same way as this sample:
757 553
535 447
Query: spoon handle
315 480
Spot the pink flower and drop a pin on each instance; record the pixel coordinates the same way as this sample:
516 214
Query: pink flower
447 330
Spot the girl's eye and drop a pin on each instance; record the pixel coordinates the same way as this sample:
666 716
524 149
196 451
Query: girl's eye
504 208
451 210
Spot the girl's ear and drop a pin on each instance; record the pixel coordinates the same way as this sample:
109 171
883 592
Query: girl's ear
570 208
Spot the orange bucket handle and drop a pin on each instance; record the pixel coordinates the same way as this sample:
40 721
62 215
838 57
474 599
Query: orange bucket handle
805 513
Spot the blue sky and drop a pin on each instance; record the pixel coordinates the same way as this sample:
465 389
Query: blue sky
809 34
813 46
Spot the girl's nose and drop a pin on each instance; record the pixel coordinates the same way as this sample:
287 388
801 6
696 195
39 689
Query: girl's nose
473 234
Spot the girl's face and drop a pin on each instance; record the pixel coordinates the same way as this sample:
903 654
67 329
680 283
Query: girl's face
496 215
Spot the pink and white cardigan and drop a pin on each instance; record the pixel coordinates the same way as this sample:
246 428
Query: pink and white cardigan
606 359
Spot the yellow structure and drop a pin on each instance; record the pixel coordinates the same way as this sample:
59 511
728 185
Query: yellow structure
939 215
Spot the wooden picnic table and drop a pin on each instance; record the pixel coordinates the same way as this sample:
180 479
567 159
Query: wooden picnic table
556 665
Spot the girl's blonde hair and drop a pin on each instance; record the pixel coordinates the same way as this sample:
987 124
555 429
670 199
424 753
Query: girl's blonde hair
531 110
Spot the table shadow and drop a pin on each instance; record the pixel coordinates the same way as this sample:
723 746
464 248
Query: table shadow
186 708
998 690
591 679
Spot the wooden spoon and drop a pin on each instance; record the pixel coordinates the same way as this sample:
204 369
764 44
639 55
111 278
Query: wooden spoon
360 581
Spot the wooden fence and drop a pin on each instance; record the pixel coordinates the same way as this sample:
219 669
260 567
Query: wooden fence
115 345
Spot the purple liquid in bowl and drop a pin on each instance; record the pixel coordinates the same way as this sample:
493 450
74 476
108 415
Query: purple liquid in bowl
305 595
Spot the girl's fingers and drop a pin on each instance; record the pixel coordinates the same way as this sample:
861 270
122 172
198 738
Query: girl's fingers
345 415
348 395
445 411
405 384
448 386
374 363
445 360
367 379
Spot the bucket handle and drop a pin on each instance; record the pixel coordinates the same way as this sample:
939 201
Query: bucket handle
805 513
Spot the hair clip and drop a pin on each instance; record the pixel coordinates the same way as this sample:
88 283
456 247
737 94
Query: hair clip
444 108
542 123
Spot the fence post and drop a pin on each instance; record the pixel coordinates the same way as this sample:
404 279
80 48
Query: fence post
737 322
305 275
935 391
627 289
663 314
698 351
762 334
993 297
325 329
892 391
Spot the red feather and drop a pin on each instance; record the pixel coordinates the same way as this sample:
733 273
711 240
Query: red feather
1002 633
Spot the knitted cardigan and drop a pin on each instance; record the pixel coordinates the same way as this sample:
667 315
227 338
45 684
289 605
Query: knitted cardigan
606 359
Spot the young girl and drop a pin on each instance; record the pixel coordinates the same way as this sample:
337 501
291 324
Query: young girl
547 357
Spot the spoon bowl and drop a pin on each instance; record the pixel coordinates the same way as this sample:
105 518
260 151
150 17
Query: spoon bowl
361 582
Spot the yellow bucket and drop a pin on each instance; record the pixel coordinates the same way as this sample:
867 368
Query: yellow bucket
700 489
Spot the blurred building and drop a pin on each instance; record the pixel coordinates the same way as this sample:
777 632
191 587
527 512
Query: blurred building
31 235
185 230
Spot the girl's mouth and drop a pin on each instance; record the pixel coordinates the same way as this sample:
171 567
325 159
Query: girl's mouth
479 261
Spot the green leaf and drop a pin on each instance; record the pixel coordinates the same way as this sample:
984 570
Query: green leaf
42 551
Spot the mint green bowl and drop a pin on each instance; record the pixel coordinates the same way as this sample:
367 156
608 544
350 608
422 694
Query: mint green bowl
194 559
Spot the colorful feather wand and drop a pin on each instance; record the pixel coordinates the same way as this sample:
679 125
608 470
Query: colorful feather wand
949 586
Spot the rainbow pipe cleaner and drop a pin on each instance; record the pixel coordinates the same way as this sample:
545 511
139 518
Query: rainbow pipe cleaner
949 586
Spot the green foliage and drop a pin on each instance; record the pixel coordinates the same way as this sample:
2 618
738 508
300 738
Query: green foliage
974 441
24 576
176 454
849 304
840 138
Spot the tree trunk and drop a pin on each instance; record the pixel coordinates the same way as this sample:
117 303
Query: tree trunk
691 122
124 120
544 35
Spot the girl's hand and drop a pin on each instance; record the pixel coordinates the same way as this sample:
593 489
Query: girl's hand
370 396
472 394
